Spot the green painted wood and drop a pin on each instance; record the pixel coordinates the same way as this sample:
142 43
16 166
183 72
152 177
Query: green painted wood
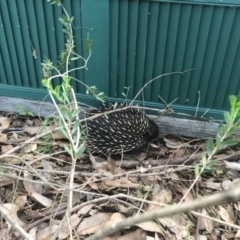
142 34
8 41
131 46
151 46
95 20
113 47
133 41
204 2
6 76
160 51
122 45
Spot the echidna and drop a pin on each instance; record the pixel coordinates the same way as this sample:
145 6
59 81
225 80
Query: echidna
120 131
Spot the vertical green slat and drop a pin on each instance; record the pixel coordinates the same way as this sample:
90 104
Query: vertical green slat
201 45
34 29
95 20
141 46
218 64
5 54
6 19
150 48
41 32
3 77
50 33
170 48
179 56
113 40
164 9
191 47
26 42
123 26
131 46
76 12
210 55
17 38
226 82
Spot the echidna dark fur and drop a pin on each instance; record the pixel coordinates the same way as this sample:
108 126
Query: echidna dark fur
121 131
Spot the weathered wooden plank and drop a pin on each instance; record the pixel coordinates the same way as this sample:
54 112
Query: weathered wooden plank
167 125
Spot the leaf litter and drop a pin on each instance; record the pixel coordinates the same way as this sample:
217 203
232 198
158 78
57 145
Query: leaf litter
34 182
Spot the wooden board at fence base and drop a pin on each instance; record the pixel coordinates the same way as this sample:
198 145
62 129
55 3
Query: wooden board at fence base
167 125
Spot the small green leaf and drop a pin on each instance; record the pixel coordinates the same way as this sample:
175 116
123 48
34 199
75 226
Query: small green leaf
237 124
230 142
75 126
209 146
74 58
204 159
218 142
227 117
106 116
231 131
68 150
80 151
18 106
63 132
66 114
197 169
115 105
76 112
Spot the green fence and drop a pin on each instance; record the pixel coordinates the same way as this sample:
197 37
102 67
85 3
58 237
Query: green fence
133 42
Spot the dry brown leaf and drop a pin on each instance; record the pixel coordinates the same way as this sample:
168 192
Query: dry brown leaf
6 148
98 166
64 232
21 201
46 233
31 148
114 218
4 233
224 214
6 181
3 138
11 210
204 223
176 224
237 234
123 183
31 186
139 234
237 206
183 190
122 208
4 122
33 232
92 224
42 199
84 210
163 197
32 130
151 227
47 167
212 185
202 237
227 184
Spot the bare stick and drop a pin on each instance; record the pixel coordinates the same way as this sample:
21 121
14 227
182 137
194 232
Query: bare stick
216 199
160 76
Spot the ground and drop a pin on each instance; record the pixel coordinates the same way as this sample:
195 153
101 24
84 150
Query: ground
35 175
